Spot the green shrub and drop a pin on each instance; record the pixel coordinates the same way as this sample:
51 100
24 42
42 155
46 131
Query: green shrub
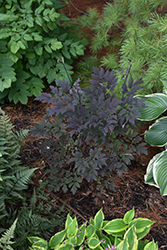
132 30
32 39
13 177
118 234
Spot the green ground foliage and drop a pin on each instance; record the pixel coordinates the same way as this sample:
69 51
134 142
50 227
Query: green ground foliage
134 30
33 36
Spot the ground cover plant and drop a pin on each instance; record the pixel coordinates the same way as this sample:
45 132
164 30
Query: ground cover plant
134 30
92 132
118 234
33 36
13 177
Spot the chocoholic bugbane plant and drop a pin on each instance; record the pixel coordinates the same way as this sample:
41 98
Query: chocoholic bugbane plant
93 132
118 234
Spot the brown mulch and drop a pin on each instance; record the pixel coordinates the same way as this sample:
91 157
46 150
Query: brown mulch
131 191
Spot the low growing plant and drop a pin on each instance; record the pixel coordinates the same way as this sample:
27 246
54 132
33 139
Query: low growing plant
13 177
32 38
118 234
156 135
89 132
5 240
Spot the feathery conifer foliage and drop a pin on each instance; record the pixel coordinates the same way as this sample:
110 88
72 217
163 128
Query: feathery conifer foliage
135 30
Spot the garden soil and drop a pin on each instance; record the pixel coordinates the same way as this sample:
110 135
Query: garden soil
130 189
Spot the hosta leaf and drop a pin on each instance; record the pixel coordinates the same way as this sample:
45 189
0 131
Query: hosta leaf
149 179
157 133
81 237
156 105
72 228
115 226
151 246
98 220
129 216
57 239
160 172
93 243
142 226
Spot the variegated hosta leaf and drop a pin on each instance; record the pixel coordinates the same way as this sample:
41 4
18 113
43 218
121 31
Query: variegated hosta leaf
156 174
156 105
157 133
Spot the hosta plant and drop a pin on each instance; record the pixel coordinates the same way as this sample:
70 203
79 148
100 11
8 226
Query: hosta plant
118 234
89 132
156 135
33 36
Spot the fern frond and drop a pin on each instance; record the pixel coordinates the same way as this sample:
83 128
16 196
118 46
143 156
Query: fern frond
22 178
5 240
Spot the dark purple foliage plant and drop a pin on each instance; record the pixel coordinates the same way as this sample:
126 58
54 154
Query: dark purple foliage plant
93 132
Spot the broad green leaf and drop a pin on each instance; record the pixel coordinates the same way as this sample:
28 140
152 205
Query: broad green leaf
27 37
93 243
156 105
98 219
55 45
21 44
13 57
4 33
151 246
142 225
72 228
115 226
23 98
129 216
37 37
14 47
38 49
65 247
43 244
131 238
81 236
39 21
39 9
160 172
4 17
34 239
47 48
149 179
123 245
7 83
57 238
90 231
157 133
68 221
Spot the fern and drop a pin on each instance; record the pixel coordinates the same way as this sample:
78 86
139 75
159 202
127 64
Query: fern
13 177
5 240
